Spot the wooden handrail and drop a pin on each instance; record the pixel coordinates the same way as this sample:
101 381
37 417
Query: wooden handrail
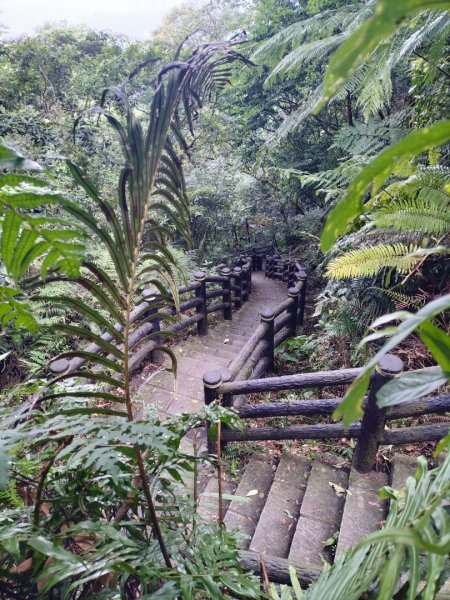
150 309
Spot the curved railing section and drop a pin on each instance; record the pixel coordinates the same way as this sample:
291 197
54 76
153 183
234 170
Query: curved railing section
207 294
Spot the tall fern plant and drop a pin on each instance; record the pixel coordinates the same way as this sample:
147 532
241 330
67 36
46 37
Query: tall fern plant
99 465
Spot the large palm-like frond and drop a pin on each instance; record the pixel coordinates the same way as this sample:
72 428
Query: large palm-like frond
150 209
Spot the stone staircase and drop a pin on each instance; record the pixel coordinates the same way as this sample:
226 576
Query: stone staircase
196 355
305 510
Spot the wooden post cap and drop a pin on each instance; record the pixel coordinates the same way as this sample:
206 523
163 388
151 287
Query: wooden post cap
237 270
212 379
267 314
149 293
302 274
60 365
390 366
199 275
225 271
226 375
293 291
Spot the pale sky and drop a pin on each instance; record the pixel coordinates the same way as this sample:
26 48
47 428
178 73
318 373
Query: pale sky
135 18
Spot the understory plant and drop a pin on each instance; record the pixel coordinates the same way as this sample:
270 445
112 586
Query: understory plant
94 508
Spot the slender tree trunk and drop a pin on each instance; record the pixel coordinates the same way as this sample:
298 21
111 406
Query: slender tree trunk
349 109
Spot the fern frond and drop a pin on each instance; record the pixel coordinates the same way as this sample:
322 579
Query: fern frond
428 213
365 138
296 118
307 52
367 262
434 26
376 88
403 301
324 23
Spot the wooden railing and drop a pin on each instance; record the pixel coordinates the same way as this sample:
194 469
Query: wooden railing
256 357
207 294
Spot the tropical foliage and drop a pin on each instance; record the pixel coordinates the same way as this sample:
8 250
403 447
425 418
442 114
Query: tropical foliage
334 146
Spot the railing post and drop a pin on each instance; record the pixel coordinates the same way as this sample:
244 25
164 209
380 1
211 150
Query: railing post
372 424
156 356
291 276
237 274
271 266
301 308
249 275
294 294
200 292
285 276
212 380
226 294
245 282
266 270
268 316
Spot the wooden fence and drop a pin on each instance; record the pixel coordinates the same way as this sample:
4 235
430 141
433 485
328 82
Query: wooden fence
256 357
207 294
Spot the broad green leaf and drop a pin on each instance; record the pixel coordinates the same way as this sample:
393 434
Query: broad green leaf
375 173
391 574
437 342
411 386
50 549
350 407
29 200
389 14
10 232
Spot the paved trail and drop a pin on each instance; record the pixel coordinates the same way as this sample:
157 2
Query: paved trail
196 355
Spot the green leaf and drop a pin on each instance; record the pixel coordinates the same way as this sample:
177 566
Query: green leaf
410 386
4 470
376 172
437 342
48 548
388 15
295 583
351 406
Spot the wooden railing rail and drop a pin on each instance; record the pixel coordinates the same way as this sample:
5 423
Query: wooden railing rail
157 316
370 432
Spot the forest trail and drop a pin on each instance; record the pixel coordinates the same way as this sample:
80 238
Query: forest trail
300 510
196 355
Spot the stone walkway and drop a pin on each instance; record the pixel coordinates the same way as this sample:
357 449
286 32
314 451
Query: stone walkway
196 355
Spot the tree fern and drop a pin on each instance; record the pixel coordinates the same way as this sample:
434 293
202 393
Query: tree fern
367 262
370 82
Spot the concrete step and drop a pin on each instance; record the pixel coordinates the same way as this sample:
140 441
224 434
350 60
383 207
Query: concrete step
231 344
320 512
186 392
364 510
208 506
279 516
219 361
254 488
214 348
402 467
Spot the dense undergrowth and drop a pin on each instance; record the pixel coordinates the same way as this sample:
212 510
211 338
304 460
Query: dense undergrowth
332 144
